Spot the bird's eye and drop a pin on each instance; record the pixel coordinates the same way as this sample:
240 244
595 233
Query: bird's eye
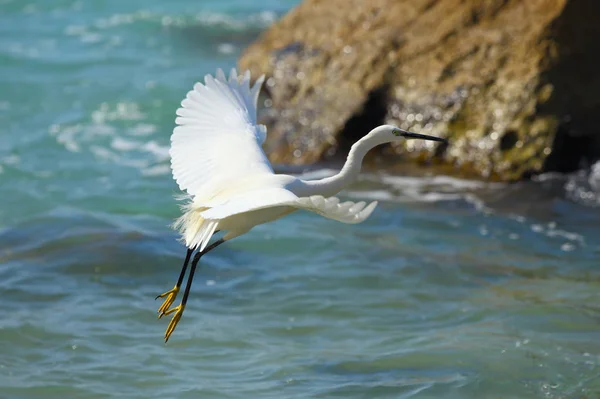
396 132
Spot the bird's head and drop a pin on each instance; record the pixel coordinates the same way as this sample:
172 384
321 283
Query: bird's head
389 133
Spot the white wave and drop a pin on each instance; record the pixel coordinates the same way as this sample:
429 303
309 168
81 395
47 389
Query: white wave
121 144
411 189
75 30
549 176
431 197
477 203
106 155
31 51
140 160
447 181
11 159
261 20
550 230
566 235
160 151
594 177
570 240
106 30
583 186
142 129
107 143
65 135
103 153
123 19
373 195
123 111
77 136
226 48
157 170
91 38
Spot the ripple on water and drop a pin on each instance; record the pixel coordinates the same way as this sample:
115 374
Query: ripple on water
372 311
453 288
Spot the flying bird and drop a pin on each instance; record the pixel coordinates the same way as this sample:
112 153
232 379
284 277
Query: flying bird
217 159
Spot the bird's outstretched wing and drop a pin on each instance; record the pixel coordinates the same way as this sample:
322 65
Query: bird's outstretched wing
331 208
248 202
345 212
217 138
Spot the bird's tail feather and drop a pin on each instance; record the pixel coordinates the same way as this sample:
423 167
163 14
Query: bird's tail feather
196 231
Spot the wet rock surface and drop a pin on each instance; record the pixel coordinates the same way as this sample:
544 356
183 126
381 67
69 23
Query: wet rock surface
513 84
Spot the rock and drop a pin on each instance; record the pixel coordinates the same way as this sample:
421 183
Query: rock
513 84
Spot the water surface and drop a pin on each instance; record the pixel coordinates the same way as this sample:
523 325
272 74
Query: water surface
453 288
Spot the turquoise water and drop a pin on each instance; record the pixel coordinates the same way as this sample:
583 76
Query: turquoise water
452 289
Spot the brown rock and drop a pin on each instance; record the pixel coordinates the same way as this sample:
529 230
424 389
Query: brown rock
512 83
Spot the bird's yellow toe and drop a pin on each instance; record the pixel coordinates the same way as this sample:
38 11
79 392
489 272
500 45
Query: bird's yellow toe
169 299
174 320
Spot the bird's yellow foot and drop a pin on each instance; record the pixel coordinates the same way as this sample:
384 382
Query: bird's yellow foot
176 317
170 298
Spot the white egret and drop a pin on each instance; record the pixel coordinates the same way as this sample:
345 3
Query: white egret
216 157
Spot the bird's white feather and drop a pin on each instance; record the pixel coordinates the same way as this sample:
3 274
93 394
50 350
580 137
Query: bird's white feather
202 239
217 138
250 201
346 212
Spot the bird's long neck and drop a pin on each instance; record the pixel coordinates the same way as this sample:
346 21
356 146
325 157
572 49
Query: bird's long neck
332 185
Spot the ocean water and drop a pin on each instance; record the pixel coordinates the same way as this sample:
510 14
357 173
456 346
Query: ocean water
452 289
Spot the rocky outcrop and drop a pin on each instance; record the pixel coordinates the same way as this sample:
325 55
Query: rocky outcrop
513 84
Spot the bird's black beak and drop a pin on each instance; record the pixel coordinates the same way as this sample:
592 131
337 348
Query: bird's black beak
410 135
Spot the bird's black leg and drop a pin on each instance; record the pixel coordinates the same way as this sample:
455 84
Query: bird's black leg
172 293
179 309
193 269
